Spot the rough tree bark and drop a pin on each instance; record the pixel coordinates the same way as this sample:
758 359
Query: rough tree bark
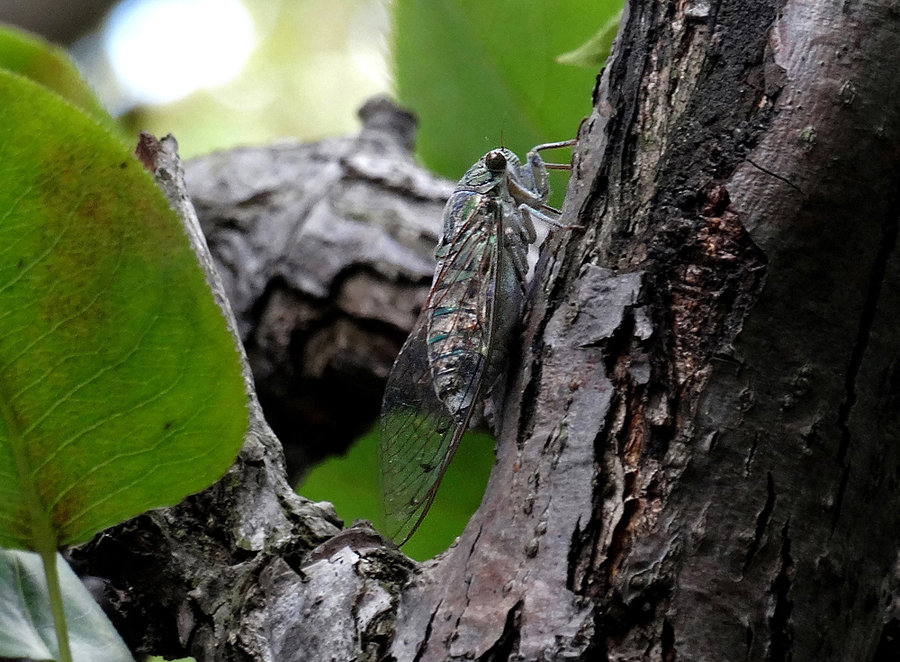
698 455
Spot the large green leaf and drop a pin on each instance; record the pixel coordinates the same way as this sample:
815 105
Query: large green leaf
26 626
120 387
30 56
480 72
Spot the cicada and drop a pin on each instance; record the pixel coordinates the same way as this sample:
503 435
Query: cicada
461 340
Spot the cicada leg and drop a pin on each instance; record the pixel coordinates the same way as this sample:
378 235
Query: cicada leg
557 145
531 212
531 185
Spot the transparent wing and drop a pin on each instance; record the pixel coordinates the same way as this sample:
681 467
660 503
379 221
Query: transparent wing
418 433
416 439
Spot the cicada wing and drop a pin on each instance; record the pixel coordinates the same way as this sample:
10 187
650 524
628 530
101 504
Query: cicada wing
421 431
417 438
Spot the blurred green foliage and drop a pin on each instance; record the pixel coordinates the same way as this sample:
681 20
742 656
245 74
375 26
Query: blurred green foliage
593 53
350 482
479 74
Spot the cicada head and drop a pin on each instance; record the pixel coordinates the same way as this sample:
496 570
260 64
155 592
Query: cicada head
496 160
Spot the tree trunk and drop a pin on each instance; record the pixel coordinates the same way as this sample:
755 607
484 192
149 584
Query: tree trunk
698 454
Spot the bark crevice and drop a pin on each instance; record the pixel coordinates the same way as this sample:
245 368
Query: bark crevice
762 521
780 626
872 294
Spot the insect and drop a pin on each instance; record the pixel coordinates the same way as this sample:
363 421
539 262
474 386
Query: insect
460 342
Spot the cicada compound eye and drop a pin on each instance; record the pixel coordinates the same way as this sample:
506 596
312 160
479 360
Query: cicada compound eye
495 160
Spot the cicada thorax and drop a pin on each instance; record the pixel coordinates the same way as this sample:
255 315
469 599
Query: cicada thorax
477 295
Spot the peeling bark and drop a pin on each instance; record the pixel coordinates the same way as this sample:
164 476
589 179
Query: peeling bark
698 452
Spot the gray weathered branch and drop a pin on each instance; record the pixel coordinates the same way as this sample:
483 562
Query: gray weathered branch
326 251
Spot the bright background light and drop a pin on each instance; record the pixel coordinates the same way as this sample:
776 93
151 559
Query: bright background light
222 73
162 50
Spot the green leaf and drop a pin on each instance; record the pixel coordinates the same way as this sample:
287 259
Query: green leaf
26 627
28 55
594 51
120 386
481 73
